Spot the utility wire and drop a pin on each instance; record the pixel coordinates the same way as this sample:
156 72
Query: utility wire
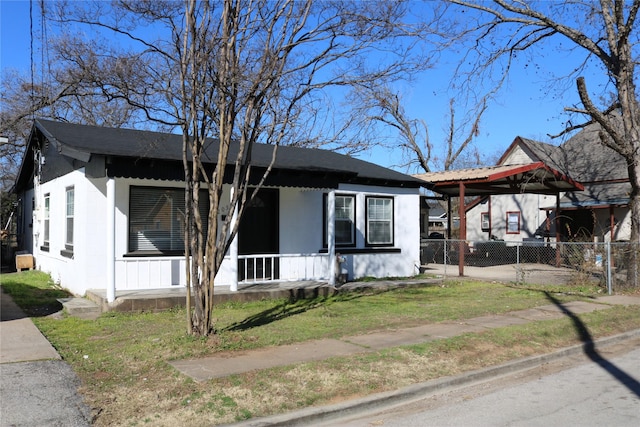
33 95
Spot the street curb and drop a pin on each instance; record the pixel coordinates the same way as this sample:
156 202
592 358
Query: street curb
380 401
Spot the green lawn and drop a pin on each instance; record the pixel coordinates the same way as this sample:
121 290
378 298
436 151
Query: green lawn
122 358
34 292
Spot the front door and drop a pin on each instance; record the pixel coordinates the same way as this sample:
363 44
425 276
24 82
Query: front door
258 234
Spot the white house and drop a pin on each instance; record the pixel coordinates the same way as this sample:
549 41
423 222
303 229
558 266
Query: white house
103 208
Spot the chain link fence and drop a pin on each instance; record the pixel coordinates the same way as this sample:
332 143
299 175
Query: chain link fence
614 266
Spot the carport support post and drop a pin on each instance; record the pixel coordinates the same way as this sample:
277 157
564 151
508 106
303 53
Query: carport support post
111 239
331 238
463 231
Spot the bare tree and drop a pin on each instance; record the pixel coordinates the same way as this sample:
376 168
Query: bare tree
604 32
378 104
60 95
232 73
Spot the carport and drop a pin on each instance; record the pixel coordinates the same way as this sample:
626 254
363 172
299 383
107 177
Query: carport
534 178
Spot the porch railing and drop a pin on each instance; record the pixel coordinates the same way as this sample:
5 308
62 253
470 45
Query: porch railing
282 267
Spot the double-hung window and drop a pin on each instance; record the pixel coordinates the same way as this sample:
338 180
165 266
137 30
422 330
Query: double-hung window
344 220
47 224
70 201
157 219
513 222
379 221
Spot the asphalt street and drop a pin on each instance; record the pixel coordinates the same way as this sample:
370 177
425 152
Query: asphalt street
571 392
41 393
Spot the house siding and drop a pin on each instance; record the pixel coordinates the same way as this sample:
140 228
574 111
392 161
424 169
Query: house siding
519 156
300 224
79 271
532 217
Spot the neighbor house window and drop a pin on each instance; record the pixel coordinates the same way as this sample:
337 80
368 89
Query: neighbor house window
69 218
513 222
47 198
345 213
157 219
379 221
485 221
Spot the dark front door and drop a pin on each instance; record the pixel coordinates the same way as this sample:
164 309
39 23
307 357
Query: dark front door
258 234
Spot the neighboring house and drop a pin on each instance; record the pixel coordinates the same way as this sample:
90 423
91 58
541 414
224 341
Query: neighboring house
104 207
437 219
433 218
600 212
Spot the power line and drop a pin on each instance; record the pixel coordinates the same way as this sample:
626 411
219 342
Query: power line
33 95
45 67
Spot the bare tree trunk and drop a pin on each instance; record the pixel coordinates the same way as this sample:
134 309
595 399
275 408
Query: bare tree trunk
633 269
239 73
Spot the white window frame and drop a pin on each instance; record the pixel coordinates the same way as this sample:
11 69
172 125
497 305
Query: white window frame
485 221
46 220
513 218
69 217
379 211
344 219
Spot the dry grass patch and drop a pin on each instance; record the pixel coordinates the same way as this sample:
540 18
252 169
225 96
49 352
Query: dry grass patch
123 359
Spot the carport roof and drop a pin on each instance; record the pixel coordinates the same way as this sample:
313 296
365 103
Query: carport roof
502 179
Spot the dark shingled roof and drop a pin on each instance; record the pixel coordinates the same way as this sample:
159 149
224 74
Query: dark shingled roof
582 157
598 195
87 140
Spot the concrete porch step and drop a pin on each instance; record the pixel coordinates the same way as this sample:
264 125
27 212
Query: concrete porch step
81 308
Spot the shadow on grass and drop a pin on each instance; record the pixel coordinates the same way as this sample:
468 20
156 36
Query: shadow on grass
33 301
294 306
591 351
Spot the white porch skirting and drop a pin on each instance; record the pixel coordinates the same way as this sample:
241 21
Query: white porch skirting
134 273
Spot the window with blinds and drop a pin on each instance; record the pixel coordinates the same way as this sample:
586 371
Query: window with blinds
157 219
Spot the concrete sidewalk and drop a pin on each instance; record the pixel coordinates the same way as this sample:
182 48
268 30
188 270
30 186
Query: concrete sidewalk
36 387
204 369
20 340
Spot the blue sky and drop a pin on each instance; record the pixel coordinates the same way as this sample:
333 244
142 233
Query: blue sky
524 108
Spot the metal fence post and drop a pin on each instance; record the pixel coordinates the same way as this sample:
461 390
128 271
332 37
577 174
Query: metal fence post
444 259
609 284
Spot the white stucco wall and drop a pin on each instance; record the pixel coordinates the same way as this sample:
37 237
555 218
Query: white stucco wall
301 223
406 234
518 156
85 269
532 217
